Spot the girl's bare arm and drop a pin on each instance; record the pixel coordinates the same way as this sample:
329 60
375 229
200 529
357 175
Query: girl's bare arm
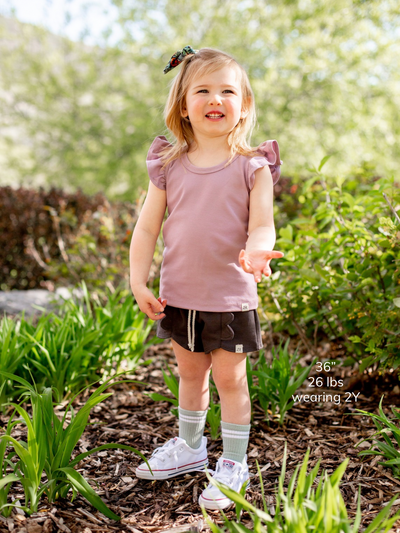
142 247
261 241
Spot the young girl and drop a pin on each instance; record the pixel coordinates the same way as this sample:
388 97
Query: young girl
218 236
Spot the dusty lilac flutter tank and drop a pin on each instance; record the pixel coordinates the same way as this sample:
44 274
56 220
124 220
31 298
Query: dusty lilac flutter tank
206 227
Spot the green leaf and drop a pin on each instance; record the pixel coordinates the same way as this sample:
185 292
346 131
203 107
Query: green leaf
160 398
82 486
10 478
323 161
107 447
366 362
287 233
378 520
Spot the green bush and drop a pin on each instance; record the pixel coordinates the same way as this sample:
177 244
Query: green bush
340 276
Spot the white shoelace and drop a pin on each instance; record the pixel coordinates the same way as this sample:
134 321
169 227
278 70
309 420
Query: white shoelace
226 477
167 449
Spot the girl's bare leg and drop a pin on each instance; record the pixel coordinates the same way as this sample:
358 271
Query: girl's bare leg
230 378
194 370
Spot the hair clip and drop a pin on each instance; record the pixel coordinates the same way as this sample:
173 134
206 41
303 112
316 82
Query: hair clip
178 57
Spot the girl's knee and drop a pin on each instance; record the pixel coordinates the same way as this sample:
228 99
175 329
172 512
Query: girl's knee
226 382
193 372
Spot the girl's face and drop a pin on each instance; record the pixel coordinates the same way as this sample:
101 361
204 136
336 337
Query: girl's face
214 103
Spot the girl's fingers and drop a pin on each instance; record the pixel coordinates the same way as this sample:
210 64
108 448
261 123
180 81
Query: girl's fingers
162 302
241 257
267 271
244 263
274 254
257 276
154 315
158 309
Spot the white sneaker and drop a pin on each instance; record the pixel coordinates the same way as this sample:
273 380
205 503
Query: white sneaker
175 457
230 473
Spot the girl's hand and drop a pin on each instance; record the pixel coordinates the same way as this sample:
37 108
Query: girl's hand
257 262
150 305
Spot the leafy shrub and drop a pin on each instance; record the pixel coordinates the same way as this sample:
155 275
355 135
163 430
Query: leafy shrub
340 275
35 228
54 237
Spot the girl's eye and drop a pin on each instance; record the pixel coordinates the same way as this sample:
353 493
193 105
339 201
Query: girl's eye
228 91
203 91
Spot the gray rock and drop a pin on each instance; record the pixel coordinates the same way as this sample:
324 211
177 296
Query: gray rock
14 302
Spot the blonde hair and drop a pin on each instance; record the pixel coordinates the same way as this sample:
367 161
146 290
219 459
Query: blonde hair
205 61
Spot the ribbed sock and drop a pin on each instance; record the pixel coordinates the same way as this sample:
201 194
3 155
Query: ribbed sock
191 426
235 439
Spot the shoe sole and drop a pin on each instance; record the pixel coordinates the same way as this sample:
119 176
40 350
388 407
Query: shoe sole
167 474
215 505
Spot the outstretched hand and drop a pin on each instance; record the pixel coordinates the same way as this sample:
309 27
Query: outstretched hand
257 262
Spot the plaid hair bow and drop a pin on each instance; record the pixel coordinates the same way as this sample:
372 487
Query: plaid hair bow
178 57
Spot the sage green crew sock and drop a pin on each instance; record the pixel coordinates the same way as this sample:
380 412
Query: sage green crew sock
191 426
235 439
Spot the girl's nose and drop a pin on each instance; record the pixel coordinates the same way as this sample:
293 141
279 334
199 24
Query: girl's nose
215 99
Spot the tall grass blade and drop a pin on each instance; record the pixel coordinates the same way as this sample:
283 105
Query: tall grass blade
83 487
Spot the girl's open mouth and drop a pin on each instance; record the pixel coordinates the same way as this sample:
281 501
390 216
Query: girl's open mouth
215 116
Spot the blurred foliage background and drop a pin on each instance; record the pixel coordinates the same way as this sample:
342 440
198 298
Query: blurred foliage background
325 76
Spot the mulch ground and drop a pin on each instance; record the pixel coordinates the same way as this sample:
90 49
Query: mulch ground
329 429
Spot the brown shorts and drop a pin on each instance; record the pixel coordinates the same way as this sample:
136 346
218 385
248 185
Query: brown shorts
234 332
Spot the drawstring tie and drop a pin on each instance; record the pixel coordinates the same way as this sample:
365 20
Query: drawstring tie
190 328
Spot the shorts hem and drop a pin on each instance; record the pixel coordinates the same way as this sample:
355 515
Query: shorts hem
184 344
233 350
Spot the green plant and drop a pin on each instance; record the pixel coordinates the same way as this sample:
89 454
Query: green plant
302 507
13 350
173 386
64 351
68 349
340 274
129 331
50 445
386 448
276 381
6 480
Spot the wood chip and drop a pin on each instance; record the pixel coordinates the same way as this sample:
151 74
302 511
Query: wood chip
89 516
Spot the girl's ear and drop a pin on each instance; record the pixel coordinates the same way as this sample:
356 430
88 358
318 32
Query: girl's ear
184 112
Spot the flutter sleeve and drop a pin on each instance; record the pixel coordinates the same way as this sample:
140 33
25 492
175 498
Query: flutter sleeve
155 163
269 155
